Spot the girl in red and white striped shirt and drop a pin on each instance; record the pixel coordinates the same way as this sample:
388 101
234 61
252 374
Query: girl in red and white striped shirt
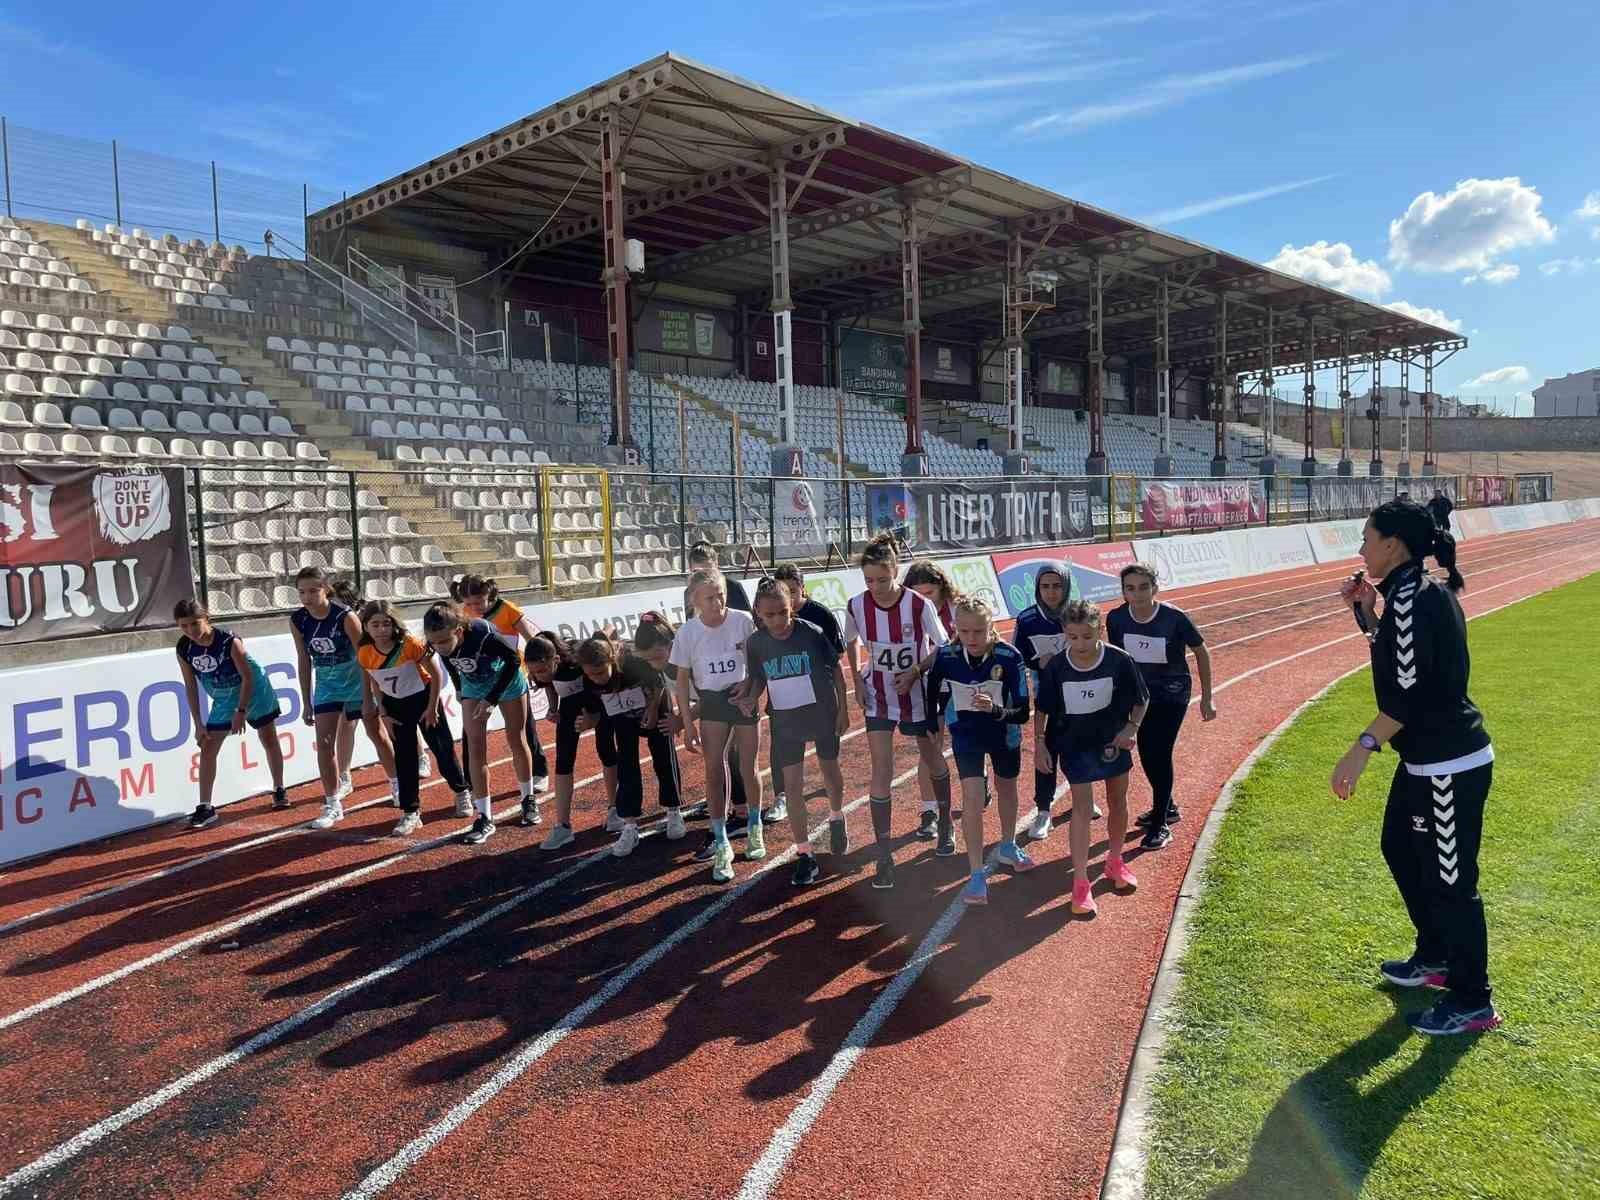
898 628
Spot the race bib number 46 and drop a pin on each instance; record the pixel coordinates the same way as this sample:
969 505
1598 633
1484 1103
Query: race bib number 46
891 657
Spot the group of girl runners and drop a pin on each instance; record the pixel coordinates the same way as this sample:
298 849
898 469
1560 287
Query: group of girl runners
923 662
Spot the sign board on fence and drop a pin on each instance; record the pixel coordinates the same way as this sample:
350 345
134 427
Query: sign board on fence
1476 522
1188 559
90 549
1511 519
1335 541
794 513
1259 551
1092 570
942 515
1205 504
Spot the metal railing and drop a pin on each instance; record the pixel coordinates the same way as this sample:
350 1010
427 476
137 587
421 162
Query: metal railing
423 309
370 306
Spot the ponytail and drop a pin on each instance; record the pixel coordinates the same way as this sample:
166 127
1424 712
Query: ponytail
1414 526
1444 553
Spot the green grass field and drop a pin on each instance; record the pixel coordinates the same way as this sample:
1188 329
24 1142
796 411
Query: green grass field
1288 1072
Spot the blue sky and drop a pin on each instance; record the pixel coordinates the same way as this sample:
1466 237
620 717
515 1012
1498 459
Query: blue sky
1444 156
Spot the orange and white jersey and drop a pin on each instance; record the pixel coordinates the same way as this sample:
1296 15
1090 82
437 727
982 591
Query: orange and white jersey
400 673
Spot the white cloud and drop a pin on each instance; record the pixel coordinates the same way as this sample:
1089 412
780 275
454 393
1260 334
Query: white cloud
891 8
1503 273
1335 265
1163 93
1169 216
1589 210
990 83
1431 316
1567 266
1499 377
1469 226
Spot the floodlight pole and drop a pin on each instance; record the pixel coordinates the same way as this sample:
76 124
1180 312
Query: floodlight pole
1097 463
1308 464
782 303
1163 462
1428 465
1404 469
1375 413
1220 390
1269 457
1347 468
616 281
1016 460
914 462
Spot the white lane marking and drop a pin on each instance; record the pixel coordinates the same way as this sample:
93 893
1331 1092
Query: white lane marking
103 1129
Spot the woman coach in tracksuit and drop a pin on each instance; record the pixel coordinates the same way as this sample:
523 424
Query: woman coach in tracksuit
1434 819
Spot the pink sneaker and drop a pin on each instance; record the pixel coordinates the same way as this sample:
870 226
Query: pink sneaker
1083 904
1121 878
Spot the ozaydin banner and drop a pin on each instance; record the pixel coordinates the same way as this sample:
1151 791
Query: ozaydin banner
996 514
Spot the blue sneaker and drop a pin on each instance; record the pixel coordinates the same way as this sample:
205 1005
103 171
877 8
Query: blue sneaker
1015 857
1448 1017
977 889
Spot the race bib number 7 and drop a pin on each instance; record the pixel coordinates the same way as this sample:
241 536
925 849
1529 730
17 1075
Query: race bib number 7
891 658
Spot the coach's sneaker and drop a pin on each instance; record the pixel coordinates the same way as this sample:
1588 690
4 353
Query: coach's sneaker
332 814
1411 973
977 889
805 871
722 862
1449 1016
202 816
614 823
708 850
779 811
1121 878
1039 828
1155 838
463 803
559 836
1083 904
883 873
424 765
1015 857
928 825
408 825
530 811
755 846
346 786
482 830
838 836
626 840
675 827
1148 817
539 785
947 837
280 798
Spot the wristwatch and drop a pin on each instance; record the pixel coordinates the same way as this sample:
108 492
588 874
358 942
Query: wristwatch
1369 743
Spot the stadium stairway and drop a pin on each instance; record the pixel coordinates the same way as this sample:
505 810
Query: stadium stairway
950 422
326 427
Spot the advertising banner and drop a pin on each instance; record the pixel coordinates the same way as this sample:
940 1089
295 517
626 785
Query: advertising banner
1333 498
946 514
681 329
1184 561
1259 551
1489 489
1205 504
1475 522
1062 378
1335 541
1093 570
873 364
794 512
1511 519
90 549
946 362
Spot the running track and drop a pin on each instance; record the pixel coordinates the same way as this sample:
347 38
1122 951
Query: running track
258 1009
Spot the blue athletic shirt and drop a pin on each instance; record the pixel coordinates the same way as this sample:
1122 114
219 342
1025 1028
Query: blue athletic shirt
213 665
333 655
953 679
1086 706
483 667
1159 647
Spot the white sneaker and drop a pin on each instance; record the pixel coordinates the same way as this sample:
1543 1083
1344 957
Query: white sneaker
539 784
626 840
424 765
558 837
332 814
1039 827
675 829
346 786
463 804
614 823
394 793
408 825
778 812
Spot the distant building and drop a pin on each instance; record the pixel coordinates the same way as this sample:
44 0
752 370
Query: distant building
1576 395
1443 406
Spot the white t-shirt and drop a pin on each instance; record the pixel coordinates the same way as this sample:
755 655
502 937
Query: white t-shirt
714 656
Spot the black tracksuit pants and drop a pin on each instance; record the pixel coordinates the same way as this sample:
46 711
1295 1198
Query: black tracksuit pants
630 779
1158 736
406 712
1432 828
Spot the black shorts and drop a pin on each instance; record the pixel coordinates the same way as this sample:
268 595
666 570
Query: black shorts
909 728
789 745
1007 763
716 706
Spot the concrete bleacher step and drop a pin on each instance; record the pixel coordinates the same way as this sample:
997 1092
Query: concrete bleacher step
117 288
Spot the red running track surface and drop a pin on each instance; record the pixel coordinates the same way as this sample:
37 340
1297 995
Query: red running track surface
263 1009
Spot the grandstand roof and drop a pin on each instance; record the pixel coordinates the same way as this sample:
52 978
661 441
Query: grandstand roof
699 145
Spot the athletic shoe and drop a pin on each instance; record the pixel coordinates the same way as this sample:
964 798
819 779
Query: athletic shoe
883 876
1121 878
1448 1017
675 829
722 862
1409 973
755 846
927 825
708 851
530 811
346 786
626 841
559 836
1148 816
947 837
408 825
424 765
1083 904
838 837
1156 838
539 784
202 816
614 823
778 812
332 814
805 871
394 793
1015 857
977 889
280 798
463 804
482 830
1039 827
